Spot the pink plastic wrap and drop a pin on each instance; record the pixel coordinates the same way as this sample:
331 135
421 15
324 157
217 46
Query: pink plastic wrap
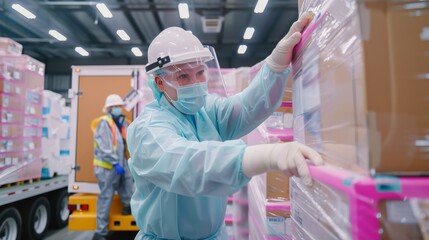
21 85
268 218
344 205
360 85
269 206
9 47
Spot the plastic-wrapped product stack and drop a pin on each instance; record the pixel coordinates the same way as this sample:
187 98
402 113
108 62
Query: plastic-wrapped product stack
22 82
360 89
56 135
268 194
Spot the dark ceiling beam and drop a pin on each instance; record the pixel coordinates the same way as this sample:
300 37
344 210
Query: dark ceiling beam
133 22
156 15
104 28
151 5
70 18
244 41
9 32
21 35
22 29
94 14
220 35
139 9
115 47
271 22
209 6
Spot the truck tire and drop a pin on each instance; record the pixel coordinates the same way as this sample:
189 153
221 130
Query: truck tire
59 211
10 224
36 219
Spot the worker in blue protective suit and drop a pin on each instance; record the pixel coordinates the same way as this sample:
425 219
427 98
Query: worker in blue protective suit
110 162
186 156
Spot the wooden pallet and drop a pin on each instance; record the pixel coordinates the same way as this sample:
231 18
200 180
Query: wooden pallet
19 183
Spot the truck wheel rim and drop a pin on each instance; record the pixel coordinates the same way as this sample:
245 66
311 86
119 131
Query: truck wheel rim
64 213
9 229
41 219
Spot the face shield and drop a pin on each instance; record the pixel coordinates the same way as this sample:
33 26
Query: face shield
216 84
200 70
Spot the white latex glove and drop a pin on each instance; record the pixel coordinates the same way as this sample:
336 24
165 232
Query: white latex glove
281 56
290 158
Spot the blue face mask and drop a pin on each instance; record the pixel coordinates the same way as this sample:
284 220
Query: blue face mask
116 111
190 98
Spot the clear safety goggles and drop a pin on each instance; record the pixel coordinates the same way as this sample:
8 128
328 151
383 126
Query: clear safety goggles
185 74
196 72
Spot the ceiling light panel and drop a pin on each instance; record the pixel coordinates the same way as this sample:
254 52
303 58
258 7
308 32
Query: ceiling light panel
260 6
123 35
57 35
248 34
242 49
136 51
104 10
183 10
23 11
81 51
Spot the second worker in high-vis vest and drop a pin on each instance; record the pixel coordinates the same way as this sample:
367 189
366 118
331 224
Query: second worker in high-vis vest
110 162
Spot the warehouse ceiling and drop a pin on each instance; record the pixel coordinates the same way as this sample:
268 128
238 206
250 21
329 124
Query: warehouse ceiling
83 25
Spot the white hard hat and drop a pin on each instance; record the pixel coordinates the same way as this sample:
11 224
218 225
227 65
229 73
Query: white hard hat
175 46
112 100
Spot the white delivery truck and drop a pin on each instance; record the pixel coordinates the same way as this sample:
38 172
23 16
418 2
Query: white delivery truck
27 207
28 203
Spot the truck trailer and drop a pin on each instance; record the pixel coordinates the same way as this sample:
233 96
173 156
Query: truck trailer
90 87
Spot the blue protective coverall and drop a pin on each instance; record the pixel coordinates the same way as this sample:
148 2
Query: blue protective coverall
186 166
108 180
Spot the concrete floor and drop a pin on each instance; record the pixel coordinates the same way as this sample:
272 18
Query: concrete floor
65 234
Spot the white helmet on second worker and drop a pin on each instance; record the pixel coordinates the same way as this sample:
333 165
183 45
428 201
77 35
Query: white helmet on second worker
112 100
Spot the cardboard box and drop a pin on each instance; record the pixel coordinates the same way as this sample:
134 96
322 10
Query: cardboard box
277 186
397 219
360 88
278 219
28 70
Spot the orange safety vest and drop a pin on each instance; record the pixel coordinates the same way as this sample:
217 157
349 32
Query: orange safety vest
112 125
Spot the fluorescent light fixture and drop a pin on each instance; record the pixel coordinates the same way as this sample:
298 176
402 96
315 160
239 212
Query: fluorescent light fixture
57 35
183 11
260 6
137 51
242 49
123 35
81 51
22 10
248 34
102 8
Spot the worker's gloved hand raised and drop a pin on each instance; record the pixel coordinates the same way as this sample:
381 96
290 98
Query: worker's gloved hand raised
290 158
119 169
281 56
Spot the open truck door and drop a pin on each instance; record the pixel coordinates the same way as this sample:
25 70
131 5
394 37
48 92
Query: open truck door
90 87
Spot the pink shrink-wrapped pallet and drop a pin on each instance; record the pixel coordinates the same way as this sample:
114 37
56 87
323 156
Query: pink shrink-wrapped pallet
22 81
344 205
9 47
361 84
268 218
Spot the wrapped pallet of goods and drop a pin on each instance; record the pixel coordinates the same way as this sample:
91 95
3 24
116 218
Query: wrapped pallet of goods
27 203
360 99
268 194
21 106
